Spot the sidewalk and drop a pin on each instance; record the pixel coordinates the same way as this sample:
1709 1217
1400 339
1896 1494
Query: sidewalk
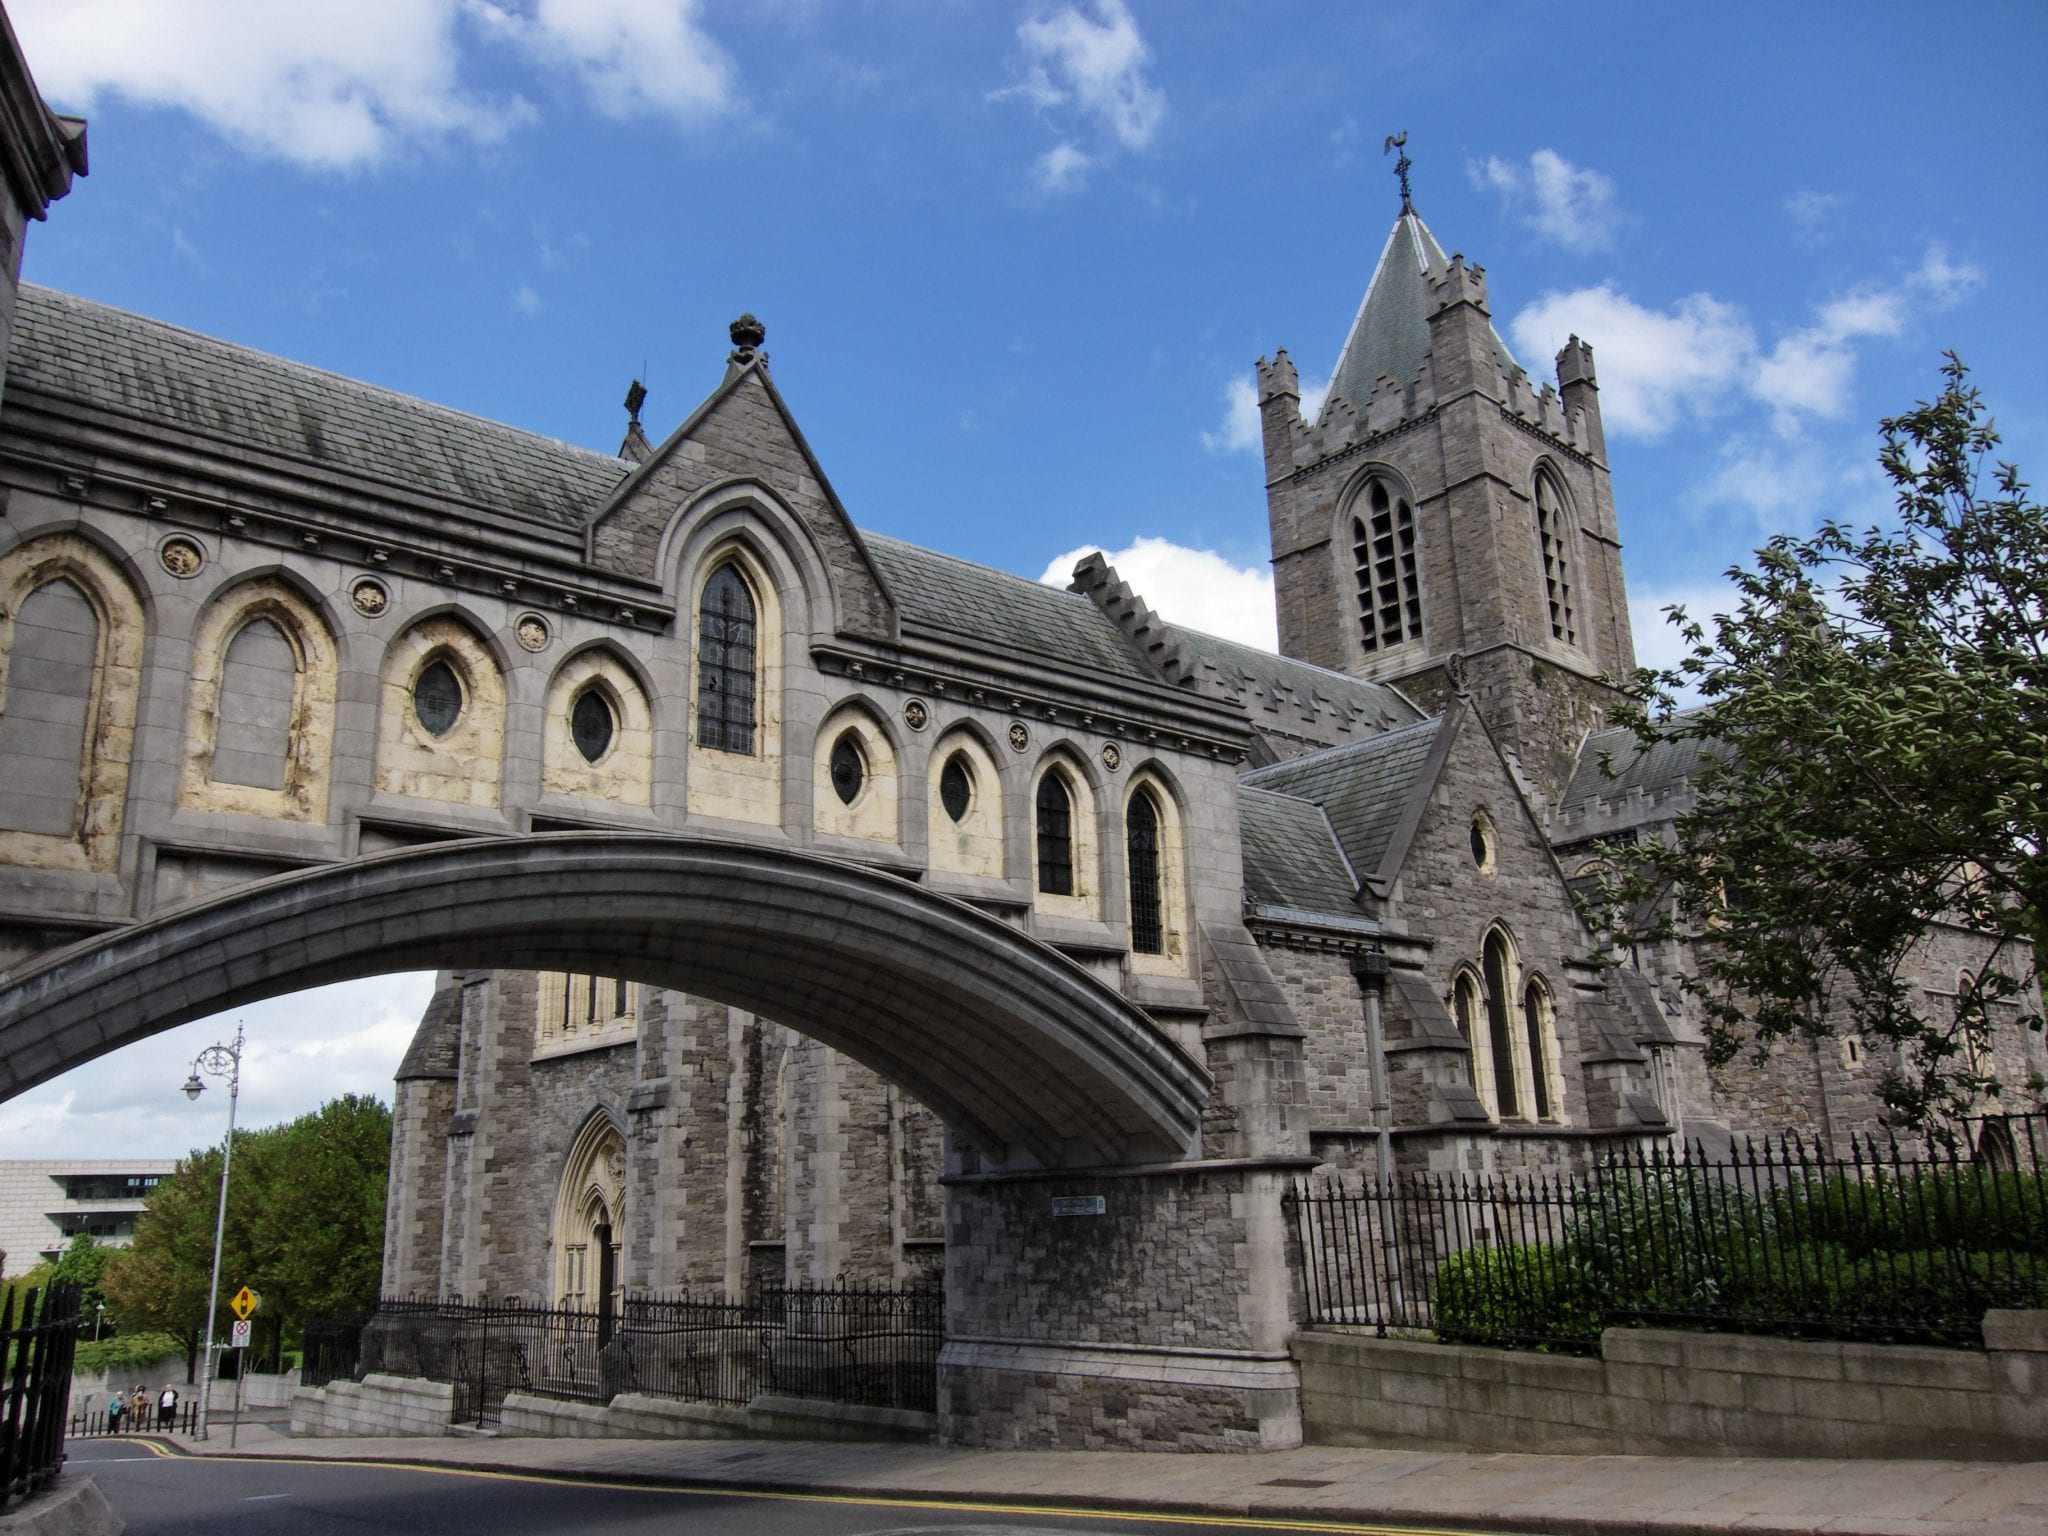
1595 1495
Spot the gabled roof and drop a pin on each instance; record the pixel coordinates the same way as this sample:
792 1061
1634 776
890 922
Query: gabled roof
1010 613
1246 669
1292 860
96 355
1390 334
1363 787
1654 772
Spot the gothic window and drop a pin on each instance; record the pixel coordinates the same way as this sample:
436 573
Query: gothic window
437 698
591 725
1384 566
956 787
45 726
1467 1005
1500 1039
1536 1024
1142 837
1552 536
725 664
259 685
1055 836
581 1013
848 771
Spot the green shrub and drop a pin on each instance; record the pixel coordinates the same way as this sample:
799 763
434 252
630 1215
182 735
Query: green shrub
1966 1208
125 1352
1514 1294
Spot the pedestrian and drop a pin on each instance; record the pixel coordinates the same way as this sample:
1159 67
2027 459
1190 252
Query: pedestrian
115 1405
138 1407
167 1409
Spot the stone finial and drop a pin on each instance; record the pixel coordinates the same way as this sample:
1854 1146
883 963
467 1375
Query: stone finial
1575 363
636 396
747 335
1278 377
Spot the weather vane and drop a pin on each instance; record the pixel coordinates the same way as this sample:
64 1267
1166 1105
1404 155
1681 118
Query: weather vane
1400 141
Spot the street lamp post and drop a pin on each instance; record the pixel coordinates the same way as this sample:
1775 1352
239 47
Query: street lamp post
216 1061
99 1315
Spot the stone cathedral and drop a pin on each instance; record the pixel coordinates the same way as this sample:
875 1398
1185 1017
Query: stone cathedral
262 626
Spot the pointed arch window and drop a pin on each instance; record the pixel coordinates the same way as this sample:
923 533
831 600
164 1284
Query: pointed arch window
725 664
1141 825
1536 1024
1055 836
1552 534
1384 566
1499 965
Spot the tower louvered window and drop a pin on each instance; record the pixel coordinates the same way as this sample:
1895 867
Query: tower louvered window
1055 837
1557 573
1383 555
1141 825
725 664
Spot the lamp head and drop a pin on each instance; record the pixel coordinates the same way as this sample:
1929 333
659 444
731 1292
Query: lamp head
194 1087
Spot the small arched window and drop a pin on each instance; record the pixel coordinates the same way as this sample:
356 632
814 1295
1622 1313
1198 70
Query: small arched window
848 768
1536 1025
591 724
437 698
1465 1004
956 786
1384 566
1141 824
1499 966
725 664
1553 537
1055 836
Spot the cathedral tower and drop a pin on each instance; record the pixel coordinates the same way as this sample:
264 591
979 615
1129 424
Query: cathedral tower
1444 518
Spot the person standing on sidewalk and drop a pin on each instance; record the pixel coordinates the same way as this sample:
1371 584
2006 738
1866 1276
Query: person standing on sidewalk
167 1409
115 1404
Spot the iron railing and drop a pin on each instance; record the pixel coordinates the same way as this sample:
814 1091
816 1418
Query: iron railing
875 1346
37 1340
1885 1243
88 1422
330 1348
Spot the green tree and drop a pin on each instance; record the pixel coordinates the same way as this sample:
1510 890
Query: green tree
1874 742
305 1228
84 1264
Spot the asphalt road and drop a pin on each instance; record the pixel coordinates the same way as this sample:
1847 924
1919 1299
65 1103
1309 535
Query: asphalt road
160 1494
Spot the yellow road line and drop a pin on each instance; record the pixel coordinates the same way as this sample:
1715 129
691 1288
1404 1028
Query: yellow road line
874 1501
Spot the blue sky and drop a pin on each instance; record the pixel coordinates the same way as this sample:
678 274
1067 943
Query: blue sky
1016 260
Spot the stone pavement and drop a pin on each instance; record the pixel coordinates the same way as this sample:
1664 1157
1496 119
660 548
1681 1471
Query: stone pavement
1596 1495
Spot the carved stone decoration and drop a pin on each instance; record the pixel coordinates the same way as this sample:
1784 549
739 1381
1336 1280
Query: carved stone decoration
1454 671
370 598
916 715
747 335
181 557
532 632
1020 736
1112 756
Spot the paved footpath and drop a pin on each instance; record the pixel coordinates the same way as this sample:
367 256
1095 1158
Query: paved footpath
1595 1495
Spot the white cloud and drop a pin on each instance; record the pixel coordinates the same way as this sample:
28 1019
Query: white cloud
1062 168
1564 203
1196 587
1097 63
1656 368
526 301
635 58
343 86
1240 430
1812 369
1944 282
333 86
1812 214
302 1051
1779 485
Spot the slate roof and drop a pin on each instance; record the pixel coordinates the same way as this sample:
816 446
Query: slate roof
107 358
436 1049
1251 670
1363 787
1291 856
1012 613
1664 767
1390 334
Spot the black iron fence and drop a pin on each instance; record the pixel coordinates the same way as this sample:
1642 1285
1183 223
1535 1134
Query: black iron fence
331 1348
183 1420
37 1338
867 1345
1886 1243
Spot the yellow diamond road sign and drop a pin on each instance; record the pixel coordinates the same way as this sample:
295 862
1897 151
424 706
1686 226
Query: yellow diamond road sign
245 1302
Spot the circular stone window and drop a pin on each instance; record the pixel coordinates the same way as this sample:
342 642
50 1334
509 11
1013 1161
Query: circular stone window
1482 842
956 787
848 771
437 699
591 724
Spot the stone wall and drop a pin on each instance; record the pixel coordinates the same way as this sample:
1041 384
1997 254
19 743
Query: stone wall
1664 1392
376 1405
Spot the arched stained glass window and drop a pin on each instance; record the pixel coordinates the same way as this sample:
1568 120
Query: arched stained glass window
1499 966
591 724
956 786
725 664
1384 562
849 769
437 698
1055 836
1142 837
1536 1023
